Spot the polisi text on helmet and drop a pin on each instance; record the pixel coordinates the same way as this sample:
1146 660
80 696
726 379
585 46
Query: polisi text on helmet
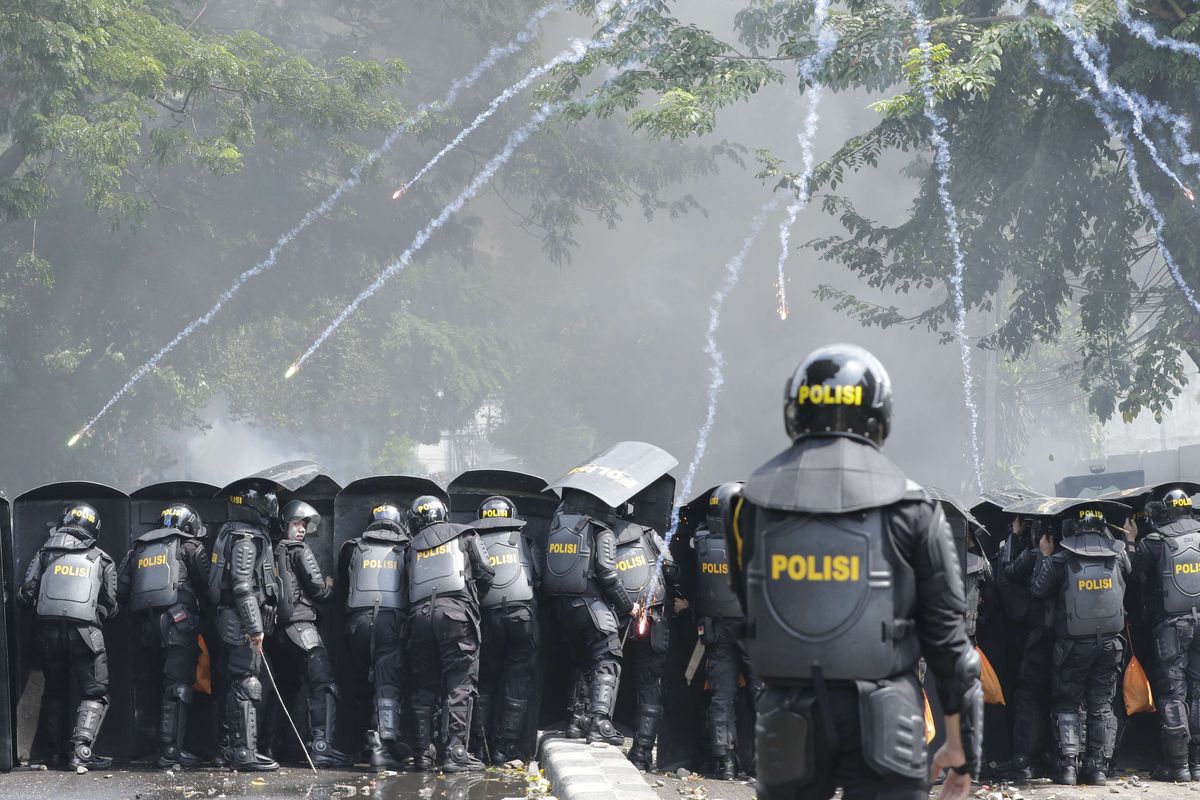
830 395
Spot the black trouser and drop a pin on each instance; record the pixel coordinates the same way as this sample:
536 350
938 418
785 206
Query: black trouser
171 648
507 661
240 665
807 749
1086 672
296 651
590 629
1032 697
70 650
444 648
377 642
725 660
1177 675
645 656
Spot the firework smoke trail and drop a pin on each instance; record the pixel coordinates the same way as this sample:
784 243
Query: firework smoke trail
1097 67
1146 32
1131 168
827 39
515 140
716 375
941 149
490 60
578 51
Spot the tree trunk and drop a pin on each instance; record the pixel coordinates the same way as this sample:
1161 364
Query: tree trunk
11 160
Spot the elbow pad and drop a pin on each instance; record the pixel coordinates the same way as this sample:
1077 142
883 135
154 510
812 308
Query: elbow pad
248 610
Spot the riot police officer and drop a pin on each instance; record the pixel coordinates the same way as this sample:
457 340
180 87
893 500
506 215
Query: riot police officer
72 586
244 587
161 581
646 634
296 639
831 545
1086 575
1167 562
719 617
376 602
1031 635
580 576
447 569
980 588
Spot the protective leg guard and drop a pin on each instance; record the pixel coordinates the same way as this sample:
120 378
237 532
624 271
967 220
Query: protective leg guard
604 694
88 720
244 755
172 728
508 731
642 751
577 727
479 727
1175 753
382 740
322 716
1070 733
423 738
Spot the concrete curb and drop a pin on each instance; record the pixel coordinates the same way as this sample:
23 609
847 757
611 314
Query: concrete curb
580 771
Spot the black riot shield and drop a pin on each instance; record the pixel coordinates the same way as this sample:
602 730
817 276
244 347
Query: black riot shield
536 505
145 513
990 513
351 515
652 506
35 513
619 473
290 476
8 738
319 492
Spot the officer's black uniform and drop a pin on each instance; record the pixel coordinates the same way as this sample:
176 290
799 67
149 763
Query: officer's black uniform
1086 576
447 570
372 567
1167 562
580 575
720 617
161 581
510 636
72 586
833 546
296 643
1031 634
244 587
647 637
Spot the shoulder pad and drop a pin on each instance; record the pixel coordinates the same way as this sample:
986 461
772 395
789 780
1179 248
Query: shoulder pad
163 533
64 540
628 532
1092 545
498 524
827 475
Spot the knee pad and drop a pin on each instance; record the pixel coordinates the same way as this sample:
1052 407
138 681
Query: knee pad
248 688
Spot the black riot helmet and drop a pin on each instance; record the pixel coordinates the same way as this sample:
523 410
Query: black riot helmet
253 505
82 515
497 507
388 512
718 501
1085 520
427 510
182 518
839 389
1169 506
300 511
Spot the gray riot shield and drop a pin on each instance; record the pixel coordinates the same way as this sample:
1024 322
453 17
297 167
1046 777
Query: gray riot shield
290 476
145 509
351 515
8 738
652 506
962 522
619 473
35 513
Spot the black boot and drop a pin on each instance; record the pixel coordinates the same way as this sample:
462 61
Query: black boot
1093 773
604 694
171 730
1194 761
577 727
1020 768
1175 753
727 767
244 755
322 721
423 738
458 759
379 755
87 727
1070 736
642 751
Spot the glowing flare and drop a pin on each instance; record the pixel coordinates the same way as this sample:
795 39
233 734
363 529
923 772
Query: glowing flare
396 195
74 440
643 623
292 370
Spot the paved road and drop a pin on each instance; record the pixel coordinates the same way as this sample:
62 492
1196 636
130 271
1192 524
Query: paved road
147 784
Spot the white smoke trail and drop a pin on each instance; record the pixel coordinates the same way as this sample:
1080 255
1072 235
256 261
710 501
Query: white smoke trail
515 140
490 59
810 68
941 157
1131 169
1147 33
578 51
1065 20
716 367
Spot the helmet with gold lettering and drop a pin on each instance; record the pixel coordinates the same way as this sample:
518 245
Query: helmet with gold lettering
497 507
182 518
717 502
427 510
253 505
82 515
839 389
1169 506
388 512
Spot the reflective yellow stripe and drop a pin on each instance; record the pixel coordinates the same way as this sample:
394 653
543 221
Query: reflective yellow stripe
737 533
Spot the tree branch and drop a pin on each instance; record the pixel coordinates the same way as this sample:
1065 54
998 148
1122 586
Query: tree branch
11 160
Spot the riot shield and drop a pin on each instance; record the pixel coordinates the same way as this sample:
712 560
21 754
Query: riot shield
619 473
290 476
8 739
351 515
145 512
35 513
962 522
652 506
319 492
